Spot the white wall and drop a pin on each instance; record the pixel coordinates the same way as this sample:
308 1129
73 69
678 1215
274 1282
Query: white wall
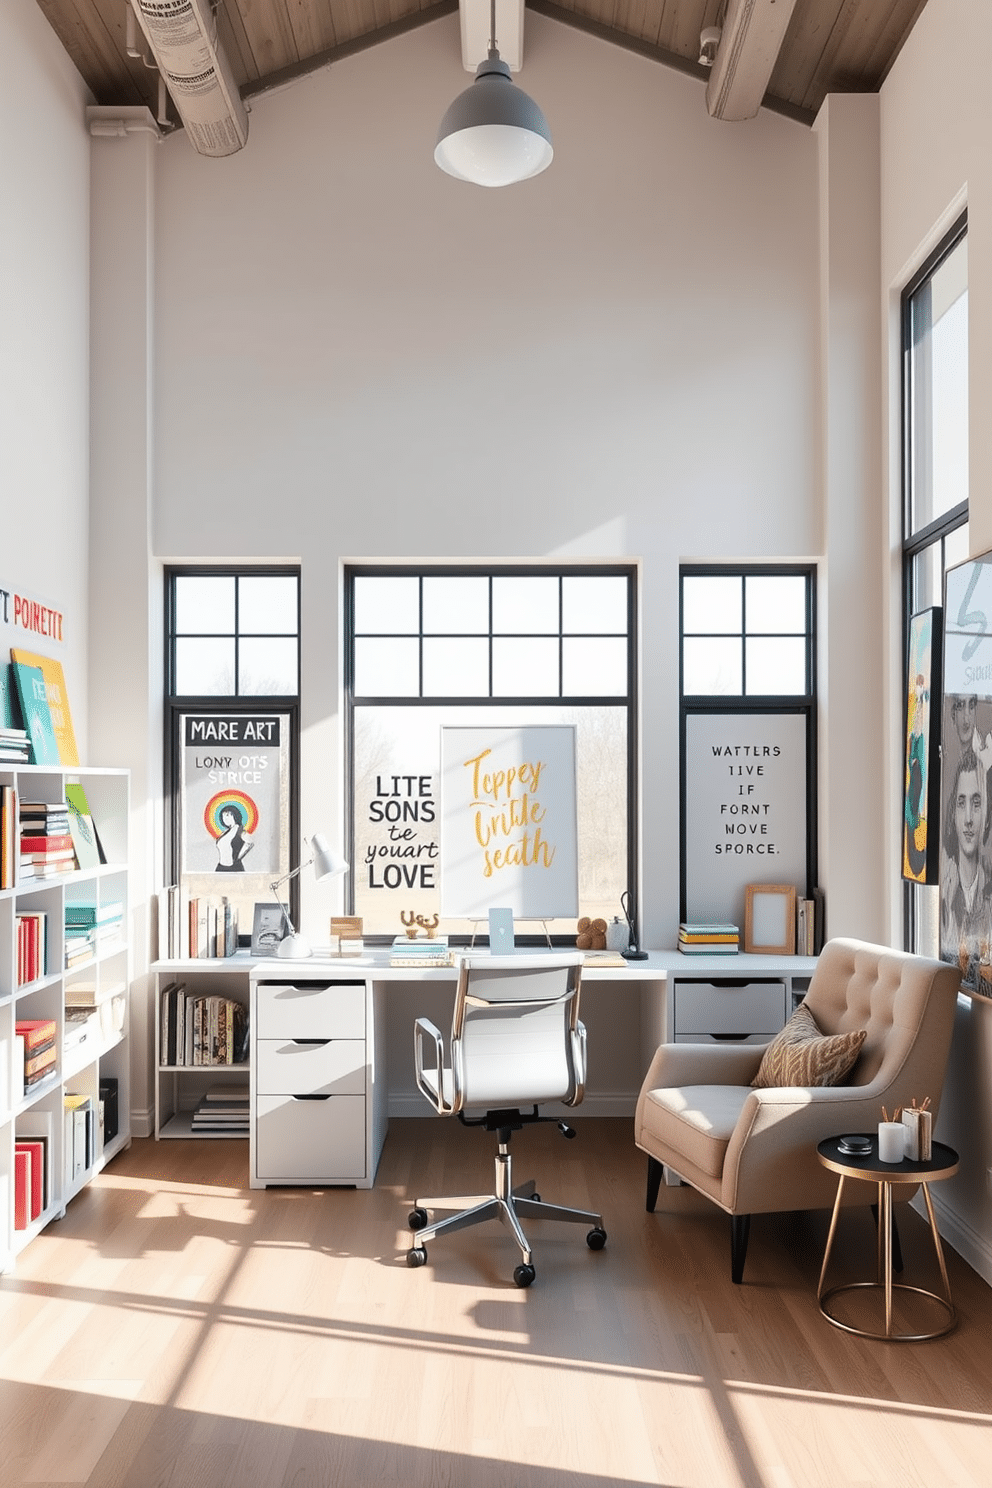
935 159
44 315
358 357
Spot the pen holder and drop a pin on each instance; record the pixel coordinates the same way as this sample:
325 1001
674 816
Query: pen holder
891 1141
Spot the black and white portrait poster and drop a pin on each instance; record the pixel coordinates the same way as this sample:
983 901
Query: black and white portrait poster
966 774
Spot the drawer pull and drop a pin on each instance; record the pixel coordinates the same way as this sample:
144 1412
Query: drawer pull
729 1037
312 1043
310 1097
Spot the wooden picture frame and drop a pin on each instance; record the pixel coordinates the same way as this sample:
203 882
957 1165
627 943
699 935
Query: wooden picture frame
770 919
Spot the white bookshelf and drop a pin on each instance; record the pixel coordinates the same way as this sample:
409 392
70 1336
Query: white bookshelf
180 1087
102 1053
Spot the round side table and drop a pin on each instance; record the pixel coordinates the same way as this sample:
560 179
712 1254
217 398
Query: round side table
869 1169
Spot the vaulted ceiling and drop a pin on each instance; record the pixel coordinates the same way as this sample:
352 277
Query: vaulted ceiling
828 46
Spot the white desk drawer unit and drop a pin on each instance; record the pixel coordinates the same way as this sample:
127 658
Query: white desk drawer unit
313 1107
729 1010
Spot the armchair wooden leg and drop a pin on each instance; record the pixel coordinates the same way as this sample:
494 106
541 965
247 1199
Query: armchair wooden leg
740 1228
655 1172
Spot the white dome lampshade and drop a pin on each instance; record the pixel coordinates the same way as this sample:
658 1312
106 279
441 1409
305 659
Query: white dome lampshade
493 134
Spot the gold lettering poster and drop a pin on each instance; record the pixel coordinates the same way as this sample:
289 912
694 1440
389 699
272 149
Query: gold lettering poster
508 822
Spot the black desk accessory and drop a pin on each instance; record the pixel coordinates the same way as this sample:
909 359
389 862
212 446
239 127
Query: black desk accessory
631 953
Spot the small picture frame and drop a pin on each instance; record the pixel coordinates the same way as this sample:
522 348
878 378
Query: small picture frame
268 929
770 919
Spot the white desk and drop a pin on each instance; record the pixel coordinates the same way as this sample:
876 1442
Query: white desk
627 1011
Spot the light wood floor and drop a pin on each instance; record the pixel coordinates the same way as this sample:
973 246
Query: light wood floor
177 1328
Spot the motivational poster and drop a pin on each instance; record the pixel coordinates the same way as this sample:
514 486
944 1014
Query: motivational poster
508 822
745 813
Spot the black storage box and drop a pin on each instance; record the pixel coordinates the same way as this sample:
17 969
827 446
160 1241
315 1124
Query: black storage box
108 1095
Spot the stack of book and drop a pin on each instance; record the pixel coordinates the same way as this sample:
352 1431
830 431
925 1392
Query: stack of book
14 744
212 927
407 952
32 946
91 929
708 940
203 1030
223 1111
36 1036
46 844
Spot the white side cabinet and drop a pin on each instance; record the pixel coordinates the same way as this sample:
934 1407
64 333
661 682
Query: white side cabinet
318 1096
91 1069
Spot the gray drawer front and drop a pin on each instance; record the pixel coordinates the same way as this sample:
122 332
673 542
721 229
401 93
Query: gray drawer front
286 1067
707 1007
286 1010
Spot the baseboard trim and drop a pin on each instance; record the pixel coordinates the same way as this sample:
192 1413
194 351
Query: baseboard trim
970 1244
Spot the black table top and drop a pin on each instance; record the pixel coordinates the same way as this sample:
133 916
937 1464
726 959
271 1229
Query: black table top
941 1164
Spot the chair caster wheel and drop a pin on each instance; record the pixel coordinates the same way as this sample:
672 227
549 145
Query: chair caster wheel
596 1238
524 1275
416 1256
536 1197
417 1219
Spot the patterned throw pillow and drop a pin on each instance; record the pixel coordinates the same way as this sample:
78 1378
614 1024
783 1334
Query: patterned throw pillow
802 1055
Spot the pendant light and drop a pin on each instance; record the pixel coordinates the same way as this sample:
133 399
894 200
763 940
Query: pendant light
493 133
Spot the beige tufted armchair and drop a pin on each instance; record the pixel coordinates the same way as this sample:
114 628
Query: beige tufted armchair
753 1151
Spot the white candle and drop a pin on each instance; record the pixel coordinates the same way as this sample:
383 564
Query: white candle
891 1141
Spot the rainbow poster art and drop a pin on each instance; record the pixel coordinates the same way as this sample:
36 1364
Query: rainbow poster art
232 794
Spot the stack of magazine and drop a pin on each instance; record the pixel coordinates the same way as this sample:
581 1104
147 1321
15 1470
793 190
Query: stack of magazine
223 1111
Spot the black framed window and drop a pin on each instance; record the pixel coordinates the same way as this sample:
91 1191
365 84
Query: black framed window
434 646
232 733
934 478
747 685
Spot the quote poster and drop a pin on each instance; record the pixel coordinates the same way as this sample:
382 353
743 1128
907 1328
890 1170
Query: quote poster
231 784
508 822
745 809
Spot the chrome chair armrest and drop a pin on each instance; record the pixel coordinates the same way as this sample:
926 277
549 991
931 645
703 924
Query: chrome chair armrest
430 1078
578 1038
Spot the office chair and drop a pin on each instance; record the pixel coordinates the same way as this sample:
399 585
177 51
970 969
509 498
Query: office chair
516 1042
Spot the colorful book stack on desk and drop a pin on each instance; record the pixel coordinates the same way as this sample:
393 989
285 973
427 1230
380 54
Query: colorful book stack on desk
407 952
709 940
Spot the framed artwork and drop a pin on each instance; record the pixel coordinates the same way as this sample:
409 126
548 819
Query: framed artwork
770 919
966 774
921 796
268 929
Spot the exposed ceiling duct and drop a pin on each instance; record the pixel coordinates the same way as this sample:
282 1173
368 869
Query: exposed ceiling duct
751 39
182 36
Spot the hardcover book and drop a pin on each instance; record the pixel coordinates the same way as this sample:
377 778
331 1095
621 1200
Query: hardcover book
58 702
37 714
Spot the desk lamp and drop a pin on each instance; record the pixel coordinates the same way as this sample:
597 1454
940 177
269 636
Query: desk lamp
327 863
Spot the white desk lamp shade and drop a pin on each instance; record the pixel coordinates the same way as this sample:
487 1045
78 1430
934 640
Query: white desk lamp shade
493 133
327 863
